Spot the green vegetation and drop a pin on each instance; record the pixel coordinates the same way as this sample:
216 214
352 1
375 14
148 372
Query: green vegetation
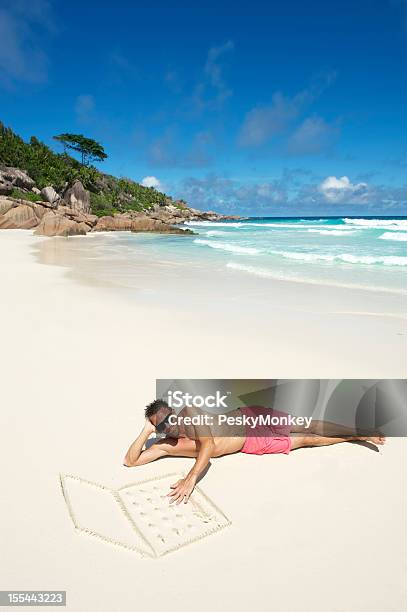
25 195
108 193
89 149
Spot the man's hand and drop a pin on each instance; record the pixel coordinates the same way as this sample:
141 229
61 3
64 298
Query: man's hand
182 489
133 454
148 427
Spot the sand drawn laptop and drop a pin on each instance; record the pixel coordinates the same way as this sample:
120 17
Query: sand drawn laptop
138 516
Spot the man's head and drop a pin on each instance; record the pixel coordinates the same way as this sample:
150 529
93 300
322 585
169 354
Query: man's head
158 412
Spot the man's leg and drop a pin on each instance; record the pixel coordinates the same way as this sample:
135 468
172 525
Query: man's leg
315 440
328 430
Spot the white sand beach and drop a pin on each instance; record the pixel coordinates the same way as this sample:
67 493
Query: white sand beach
321 529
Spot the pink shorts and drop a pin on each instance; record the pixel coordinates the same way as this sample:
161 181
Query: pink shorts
265 440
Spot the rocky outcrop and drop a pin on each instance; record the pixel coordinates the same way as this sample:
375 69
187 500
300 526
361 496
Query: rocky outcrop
139 223
19 217
65 221
23 214
179 213
145 224
118 223
55 224
5 188
77 198
39 209
15 177
49 194
5 205
70 214
78 216
167 214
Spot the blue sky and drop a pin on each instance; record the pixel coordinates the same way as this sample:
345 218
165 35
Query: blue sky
258 108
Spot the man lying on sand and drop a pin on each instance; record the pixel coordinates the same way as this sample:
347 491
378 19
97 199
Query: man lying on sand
185 439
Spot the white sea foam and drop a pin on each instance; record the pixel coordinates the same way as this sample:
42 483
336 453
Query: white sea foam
392 224
216 233
399 236
386 260
329 232
264 273
253 270
300 226
212 224
270 225
304 256
227 246
273 225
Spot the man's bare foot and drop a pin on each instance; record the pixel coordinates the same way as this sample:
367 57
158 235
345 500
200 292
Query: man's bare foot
378 440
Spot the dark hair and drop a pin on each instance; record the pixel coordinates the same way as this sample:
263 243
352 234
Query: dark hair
154 407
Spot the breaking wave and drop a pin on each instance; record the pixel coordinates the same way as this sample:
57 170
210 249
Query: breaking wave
399 236
226 246
328 232
386 260
378 223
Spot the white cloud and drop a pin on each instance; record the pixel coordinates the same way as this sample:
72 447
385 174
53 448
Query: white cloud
166 152
230 195
151 181
213 69
291 194
84 105
263 122
313 136
211 91
339 189
24 24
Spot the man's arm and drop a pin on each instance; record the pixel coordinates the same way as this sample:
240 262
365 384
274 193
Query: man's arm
135 456
182 489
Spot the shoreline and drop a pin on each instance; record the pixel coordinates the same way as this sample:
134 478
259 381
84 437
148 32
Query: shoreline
162 276
291 334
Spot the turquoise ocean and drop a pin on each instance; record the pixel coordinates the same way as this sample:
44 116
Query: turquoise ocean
363 252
